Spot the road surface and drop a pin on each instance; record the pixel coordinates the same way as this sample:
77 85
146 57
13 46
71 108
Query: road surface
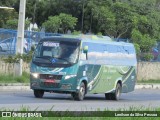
142 98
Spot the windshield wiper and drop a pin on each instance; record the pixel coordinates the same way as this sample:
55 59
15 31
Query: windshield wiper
50 59
46 58
63 59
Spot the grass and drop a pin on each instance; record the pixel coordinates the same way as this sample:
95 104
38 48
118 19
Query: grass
149 81
84 118
4 78
81 117
14 79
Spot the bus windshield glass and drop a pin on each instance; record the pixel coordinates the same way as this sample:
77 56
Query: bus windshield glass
56 52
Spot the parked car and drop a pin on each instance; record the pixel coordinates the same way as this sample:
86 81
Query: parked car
9 44
34 43
155 53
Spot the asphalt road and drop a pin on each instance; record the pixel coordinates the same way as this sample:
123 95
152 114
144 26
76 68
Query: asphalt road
143 98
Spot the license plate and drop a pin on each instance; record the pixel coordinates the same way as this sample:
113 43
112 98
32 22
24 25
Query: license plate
49 81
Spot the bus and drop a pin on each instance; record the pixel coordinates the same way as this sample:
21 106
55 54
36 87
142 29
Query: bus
81 65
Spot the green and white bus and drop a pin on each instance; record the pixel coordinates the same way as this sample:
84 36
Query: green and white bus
81 65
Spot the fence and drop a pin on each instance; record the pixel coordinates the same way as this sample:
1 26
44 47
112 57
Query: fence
8 40
8 43
146 70
9 68
153 55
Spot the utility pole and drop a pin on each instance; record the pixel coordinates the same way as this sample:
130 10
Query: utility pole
82 16
34 12
90 30
20 36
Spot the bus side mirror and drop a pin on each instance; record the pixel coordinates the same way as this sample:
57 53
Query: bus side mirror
85 50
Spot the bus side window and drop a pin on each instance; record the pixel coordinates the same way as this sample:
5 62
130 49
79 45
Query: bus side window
119 49
125 50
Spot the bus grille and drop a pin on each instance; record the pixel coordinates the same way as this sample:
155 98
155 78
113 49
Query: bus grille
50 85
50 76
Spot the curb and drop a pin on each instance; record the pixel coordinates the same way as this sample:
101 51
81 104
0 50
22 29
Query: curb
15 88
26 87
147 86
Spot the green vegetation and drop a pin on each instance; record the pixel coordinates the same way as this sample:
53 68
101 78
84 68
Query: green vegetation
15 59
4 78
87 118
136 20
149 81
13 24
10 78
100 118
62 23
66 115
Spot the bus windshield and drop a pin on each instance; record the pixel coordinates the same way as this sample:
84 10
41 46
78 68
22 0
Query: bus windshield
56 52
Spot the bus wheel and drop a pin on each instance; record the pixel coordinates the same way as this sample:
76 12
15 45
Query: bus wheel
108 96
38 93
73 95
116 94
80 94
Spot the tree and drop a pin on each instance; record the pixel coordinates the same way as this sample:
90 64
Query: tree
62 23
67 22
93 10
5 15
123 19
144 42
105 20
52 24
110 17
13 24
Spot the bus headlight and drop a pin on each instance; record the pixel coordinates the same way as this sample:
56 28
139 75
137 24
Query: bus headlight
69 76
35 75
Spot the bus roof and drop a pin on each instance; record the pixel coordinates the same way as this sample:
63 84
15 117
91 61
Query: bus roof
89 38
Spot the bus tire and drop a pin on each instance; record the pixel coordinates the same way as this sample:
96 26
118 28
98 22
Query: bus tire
80 94
38 93
116 94
73 95
108 96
